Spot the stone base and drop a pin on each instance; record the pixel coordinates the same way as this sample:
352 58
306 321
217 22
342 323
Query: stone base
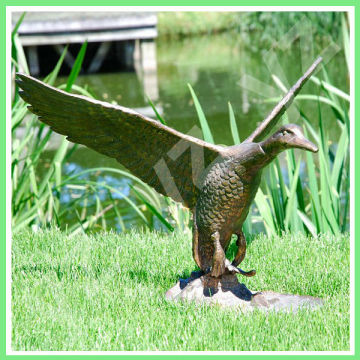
228 292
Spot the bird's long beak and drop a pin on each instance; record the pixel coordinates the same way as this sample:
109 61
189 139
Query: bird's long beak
302 143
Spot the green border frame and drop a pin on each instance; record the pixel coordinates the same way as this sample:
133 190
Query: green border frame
3 75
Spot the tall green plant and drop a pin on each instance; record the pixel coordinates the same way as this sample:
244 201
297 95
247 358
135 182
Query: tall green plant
35 200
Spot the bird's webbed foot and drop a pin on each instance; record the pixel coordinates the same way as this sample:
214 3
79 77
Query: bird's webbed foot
233 269
239 257
221 265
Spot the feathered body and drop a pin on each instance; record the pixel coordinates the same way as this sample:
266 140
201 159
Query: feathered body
226 195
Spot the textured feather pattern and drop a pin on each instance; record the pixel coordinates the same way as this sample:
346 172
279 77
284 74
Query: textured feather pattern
159 155
222 206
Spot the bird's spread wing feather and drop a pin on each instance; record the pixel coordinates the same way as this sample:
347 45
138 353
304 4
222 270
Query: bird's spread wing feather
271 120
164 158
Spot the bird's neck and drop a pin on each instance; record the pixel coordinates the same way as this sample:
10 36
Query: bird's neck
271 150
255 156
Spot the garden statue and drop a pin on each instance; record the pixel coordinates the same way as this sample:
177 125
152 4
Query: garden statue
217 183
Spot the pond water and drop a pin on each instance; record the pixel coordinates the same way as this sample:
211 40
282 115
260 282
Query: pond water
215 67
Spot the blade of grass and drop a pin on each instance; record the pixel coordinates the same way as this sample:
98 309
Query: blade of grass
247 225
279 83
35 155
346 40
18 117
148 196
34 187
17 25
79 228
96 185
52 207
346 203
276 197
153 210
14 54
18 146
20 224
265 212
340 156
117 212
292 195
76 67
159 117
21 58
115 171
77 88
310 97
308 224
233 126
327 199
330 88
50 79
203 122
57 159
283 187
314 191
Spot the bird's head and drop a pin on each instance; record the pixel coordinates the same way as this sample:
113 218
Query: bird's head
287 137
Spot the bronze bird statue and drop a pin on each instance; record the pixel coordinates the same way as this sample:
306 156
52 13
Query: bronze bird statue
217 183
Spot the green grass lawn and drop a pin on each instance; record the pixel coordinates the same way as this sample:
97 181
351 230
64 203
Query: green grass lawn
106 292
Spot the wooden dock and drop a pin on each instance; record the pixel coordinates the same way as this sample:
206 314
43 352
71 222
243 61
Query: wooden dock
49 28
131 33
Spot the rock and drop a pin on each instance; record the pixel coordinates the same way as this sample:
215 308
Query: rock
228 292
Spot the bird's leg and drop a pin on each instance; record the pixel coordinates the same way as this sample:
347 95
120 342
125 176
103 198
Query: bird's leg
218 265
239 257
241 249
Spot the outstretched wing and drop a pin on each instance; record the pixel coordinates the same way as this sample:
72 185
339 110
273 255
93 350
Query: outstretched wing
265 127
164 158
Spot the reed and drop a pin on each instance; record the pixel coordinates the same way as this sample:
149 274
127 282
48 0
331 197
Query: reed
36 199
